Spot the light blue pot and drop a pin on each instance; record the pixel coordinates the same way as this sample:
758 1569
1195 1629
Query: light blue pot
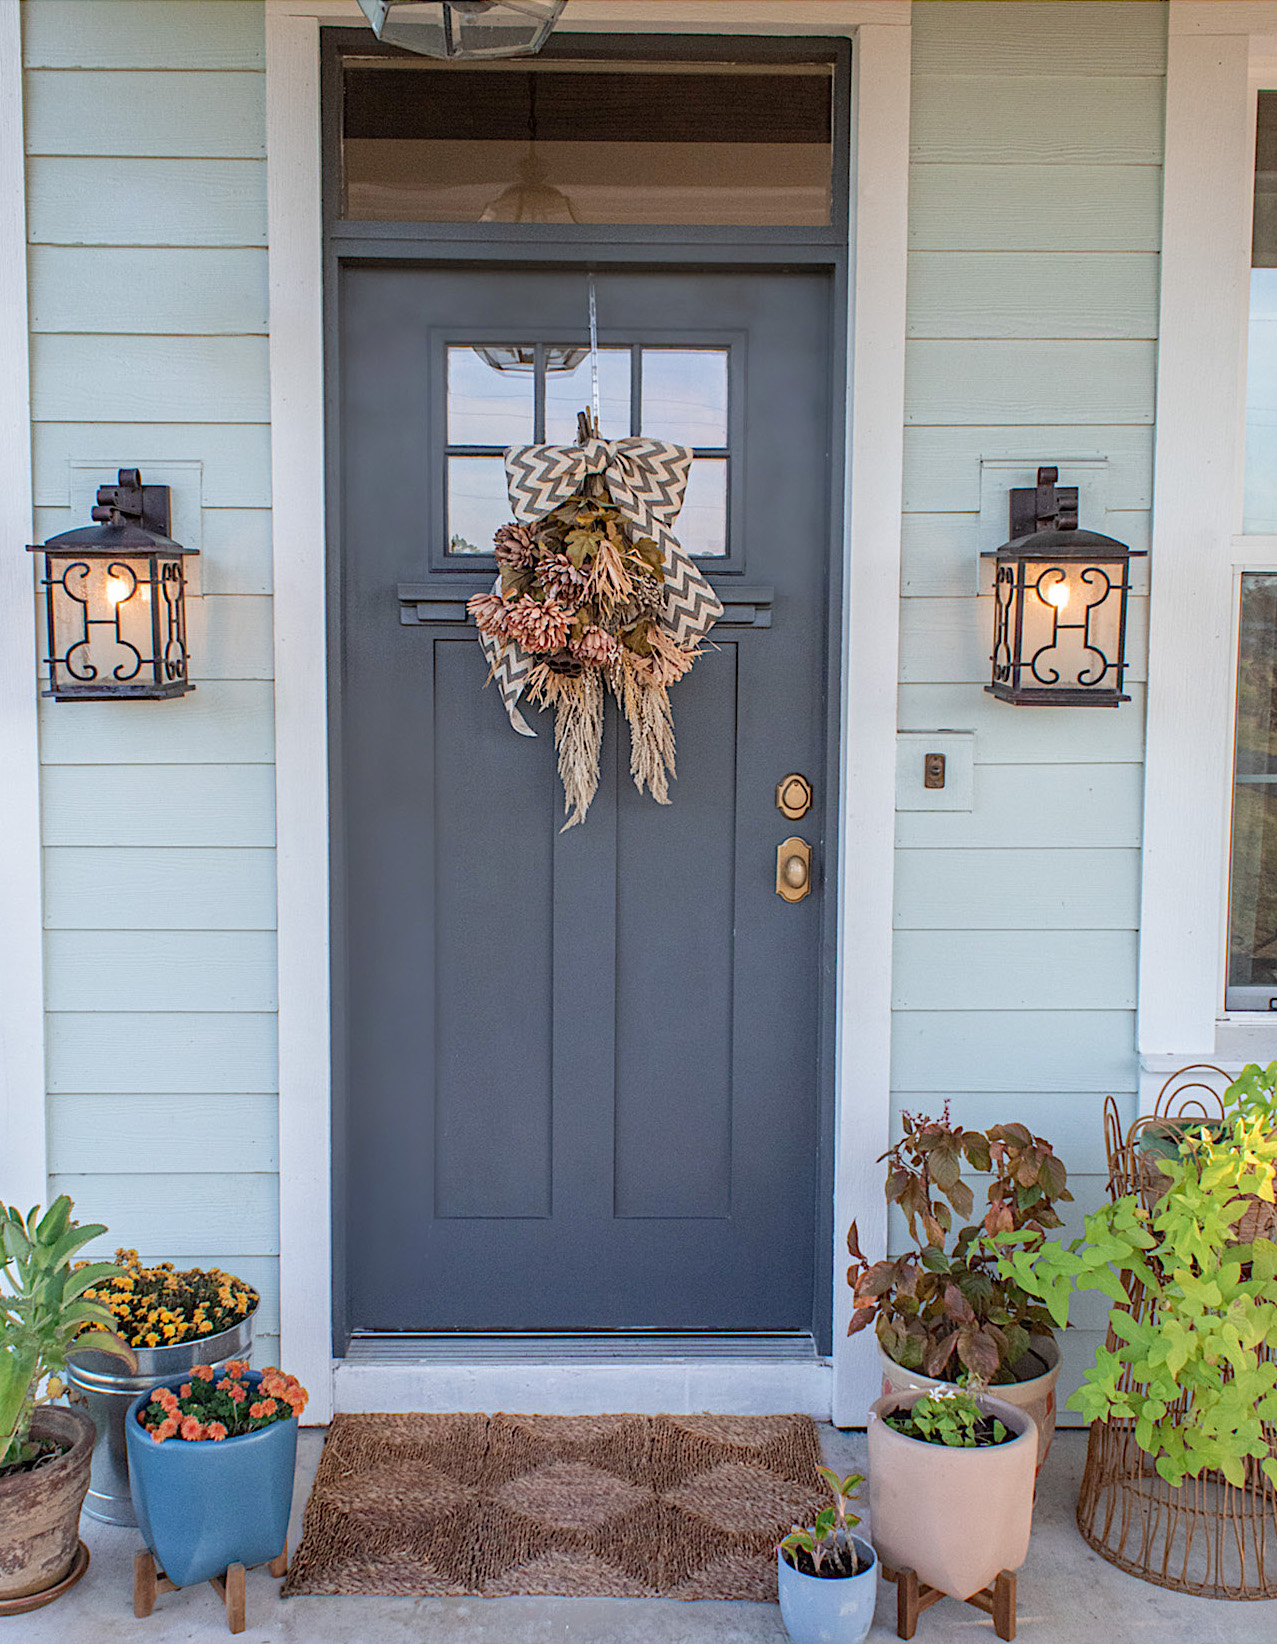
828 1610
205 1505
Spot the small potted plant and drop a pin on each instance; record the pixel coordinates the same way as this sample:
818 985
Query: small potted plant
211 1462
828 1577
45 1447
948 1309
174 1321
951 1478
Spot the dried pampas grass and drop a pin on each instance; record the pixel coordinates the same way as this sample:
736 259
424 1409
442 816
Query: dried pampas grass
578 732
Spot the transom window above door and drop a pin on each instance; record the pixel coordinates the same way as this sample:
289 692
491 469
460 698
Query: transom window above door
510 393
582 140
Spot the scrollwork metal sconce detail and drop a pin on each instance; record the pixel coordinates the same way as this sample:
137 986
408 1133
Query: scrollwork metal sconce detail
1059 604
115 600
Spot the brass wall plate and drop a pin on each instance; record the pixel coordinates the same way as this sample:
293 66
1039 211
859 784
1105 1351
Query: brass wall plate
793 796
793 869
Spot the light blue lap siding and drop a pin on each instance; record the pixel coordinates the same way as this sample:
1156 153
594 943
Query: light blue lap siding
1032 317
145 129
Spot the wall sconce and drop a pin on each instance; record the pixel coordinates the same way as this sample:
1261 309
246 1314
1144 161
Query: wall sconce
115 600
1059 604
464 29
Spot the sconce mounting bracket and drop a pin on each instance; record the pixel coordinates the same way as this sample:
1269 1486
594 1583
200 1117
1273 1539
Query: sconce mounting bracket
129 502
1045 506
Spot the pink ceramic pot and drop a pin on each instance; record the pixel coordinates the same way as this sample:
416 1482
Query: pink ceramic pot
955 1516
1037 1397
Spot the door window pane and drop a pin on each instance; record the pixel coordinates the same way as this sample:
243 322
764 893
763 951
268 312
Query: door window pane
567 392
701 526
490 396
478 503
1252 947
588 142
685 395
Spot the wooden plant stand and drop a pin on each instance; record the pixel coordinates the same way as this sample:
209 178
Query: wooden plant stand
149 1581
914 1596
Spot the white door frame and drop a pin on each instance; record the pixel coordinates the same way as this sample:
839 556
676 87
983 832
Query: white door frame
843 1386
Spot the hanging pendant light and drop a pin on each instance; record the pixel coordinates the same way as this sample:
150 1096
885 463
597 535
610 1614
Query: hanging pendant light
464 29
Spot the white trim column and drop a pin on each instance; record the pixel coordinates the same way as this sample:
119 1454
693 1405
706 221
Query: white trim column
23 1148
871 629
1207 192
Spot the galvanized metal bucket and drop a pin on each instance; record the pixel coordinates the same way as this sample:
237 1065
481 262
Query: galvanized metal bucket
109 1391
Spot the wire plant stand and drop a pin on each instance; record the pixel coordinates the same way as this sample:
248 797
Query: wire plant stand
1204 1536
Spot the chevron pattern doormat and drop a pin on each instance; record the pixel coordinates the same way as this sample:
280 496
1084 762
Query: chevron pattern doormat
620 1506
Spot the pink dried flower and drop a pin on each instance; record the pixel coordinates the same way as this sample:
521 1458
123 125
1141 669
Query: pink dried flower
596 646
491 614
514 545
538 627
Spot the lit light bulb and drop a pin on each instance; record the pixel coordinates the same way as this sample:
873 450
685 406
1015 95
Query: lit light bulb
117 590
1057 594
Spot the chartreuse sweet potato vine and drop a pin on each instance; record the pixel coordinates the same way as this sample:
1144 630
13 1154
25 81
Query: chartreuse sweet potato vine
1190 1369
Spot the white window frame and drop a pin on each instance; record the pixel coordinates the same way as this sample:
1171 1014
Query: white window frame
1219 52
845 1386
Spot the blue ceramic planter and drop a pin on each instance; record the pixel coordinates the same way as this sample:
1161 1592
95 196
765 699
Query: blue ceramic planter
205 1505
828 1610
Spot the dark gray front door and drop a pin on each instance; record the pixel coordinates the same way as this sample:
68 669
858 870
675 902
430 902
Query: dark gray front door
581 1067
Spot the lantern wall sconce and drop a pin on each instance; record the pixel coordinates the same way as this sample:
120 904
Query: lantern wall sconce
115 600
1059 604
464 30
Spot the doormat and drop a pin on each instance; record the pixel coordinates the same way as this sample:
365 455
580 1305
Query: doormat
620 1506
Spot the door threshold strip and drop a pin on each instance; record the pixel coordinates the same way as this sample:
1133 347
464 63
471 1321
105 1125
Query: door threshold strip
367 1347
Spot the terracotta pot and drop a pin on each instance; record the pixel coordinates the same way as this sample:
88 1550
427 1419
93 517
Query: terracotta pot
955 1516
1036 1397
40 1510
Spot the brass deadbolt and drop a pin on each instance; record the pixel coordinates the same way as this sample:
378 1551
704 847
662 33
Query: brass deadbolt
793 796
793 869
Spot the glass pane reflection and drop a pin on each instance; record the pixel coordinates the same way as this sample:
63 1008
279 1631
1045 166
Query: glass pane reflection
478 503
568 392
685 395
1252 955
701 526
487 406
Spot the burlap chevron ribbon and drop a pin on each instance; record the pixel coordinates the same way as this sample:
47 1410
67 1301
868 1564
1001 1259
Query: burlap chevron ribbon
646 479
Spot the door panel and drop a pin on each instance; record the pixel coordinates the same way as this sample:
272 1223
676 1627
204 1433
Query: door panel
582 1066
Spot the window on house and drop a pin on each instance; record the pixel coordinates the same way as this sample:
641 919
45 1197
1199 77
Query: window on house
1259 513
510 393
572 142
1251 982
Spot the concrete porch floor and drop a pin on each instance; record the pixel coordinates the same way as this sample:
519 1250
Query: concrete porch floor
1068 1595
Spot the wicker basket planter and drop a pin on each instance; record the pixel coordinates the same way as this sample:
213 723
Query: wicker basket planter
1204 1536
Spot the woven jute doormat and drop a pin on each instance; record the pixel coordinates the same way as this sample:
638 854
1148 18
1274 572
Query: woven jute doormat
619 1506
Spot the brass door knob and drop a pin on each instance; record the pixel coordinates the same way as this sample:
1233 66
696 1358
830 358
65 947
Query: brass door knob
793 869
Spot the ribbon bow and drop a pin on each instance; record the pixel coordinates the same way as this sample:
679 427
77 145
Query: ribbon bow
646 479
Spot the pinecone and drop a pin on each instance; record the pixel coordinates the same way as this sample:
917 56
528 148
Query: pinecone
514 545
561 579
538 627
596 646
649 594
491 614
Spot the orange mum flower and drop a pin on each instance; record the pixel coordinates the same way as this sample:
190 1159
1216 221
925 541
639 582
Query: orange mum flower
236 1368
238 1393
203 1372
190 1428
215 1430
224 1386
257 1411
186 1390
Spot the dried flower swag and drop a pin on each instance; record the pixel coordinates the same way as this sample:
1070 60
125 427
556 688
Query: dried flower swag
584 599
